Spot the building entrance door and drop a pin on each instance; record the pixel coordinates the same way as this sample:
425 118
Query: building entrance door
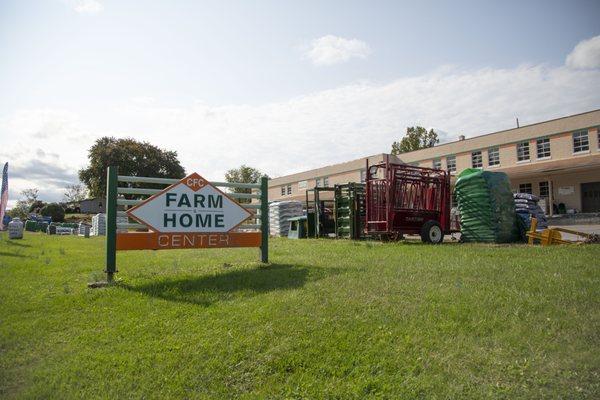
590 197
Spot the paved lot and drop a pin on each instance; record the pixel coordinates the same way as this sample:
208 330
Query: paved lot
580 228
594 228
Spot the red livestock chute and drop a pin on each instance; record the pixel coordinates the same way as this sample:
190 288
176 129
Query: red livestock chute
403 199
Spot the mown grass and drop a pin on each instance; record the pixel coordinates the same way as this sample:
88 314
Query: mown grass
327 319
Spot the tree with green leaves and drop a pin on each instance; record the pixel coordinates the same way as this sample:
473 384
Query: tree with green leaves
55 211
26 204
132 157
416 138
75 193
244 174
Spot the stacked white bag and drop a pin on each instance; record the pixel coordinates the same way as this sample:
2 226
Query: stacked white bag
280 213
84 229
98 225
122 219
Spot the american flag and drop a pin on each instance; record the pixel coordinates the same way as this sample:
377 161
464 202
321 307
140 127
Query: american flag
3 195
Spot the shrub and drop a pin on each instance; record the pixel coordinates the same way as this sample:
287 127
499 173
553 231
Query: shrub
55 211
36 206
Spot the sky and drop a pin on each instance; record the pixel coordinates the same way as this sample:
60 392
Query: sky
278 85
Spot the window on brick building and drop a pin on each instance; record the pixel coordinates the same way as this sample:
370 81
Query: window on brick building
476 159
523 151
451 163
581 142
543 148
493 156
525 188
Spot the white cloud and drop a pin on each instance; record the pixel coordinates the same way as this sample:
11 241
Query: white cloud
586 54
305 132
330 50
86 6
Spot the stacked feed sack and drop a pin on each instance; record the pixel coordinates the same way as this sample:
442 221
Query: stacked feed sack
486 206
454 219
280 213
122 219
42 226
30 225
62 230
98 225
83 229
527 207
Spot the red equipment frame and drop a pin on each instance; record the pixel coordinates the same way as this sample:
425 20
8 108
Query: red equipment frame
401 198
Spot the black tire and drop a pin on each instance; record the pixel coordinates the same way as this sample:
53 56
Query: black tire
431 232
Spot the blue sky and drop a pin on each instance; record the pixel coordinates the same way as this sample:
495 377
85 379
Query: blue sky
227 82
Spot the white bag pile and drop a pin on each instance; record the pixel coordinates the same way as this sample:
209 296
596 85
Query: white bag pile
84 229
98 225
280 213
122 219
62 230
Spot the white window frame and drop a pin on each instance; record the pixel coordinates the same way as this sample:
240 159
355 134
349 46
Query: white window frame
547 185
289 190
451 167
543 144
363 175
526 184
479 154
584 145
437 161
495 157
523 152
283 190
325 181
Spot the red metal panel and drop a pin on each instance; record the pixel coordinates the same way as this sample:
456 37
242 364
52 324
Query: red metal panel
400 198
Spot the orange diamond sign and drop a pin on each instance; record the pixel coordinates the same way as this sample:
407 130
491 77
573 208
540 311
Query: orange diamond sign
192 205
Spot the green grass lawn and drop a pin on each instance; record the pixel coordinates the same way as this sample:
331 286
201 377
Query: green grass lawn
327 319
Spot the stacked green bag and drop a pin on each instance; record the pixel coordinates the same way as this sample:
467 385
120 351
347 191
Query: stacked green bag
487 207
31 226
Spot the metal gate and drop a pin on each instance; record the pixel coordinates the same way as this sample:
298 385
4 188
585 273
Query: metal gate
401 198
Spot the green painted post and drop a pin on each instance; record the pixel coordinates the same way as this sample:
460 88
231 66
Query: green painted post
111 222
264 219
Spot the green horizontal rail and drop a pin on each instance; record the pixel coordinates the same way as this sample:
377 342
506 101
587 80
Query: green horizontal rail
131 226
249 226
125 202
244 195
166 181
169 181
126 190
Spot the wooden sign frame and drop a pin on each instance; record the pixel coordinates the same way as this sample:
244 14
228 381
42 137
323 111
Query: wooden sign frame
118 236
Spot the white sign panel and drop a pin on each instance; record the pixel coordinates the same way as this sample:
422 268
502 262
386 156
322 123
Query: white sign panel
566 190
191 205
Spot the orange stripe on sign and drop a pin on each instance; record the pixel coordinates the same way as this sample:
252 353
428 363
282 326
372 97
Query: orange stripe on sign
163 241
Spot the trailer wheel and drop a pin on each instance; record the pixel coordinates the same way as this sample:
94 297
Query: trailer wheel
431 232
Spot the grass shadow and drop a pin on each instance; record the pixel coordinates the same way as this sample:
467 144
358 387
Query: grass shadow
7 254
206 290
15 243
